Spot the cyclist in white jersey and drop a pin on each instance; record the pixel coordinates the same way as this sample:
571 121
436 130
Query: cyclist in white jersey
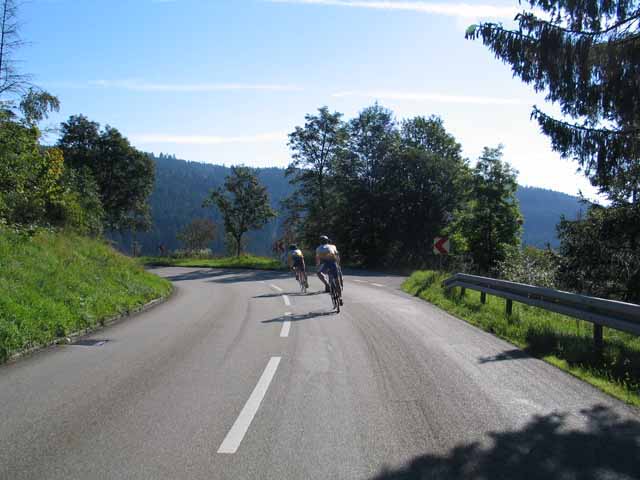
327 261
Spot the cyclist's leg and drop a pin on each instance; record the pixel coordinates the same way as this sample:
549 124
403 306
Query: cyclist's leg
321 275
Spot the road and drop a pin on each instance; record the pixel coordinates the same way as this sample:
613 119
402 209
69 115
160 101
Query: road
240 377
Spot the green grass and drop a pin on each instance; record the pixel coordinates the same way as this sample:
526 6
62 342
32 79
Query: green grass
560 340
244 261
55 284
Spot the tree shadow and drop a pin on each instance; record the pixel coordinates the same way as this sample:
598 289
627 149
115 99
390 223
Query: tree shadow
300 317
271 295
222 275
515 354
196 275
546 448
308 294
248 276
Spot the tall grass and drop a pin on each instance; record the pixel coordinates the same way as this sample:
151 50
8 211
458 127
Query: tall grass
560 340
53 284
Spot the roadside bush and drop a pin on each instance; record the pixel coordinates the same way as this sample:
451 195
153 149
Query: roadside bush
530 265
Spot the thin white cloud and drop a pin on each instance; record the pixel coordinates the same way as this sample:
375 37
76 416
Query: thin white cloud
142 86
429 97
465 10
209 139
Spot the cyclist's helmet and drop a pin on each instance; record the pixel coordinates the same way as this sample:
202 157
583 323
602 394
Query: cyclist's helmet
293 246
324 240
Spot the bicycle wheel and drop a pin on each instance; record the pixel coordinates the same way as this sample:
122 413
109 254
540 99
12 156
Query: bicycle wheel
335 298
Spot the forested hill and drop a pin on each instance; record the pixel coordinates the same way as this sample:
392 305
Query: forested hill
181 187
542 210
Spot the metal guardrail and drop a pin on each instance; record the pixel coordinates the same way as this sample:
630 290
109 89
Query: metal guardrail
602 313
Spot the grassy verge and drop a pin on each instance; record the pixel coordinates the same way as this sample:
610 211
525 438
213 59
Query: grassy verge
562 341
244 261
54 284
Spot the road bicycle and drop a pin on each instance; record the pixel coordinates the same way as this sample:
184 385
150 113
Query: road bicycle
335 289
302 280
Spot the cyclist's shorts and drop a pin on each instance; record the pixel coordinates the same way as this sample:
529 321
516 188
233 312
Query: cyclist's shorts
329 267
297 263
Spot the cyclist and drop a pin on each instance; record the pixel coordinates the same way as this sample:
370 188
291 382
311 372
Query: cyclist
295 259
328 261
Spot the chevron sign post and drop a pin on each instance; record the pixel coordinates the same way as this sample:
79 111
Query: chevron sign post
441 246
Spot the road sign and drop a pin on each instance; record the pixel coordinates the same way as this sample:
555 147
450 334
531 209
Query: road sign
441 246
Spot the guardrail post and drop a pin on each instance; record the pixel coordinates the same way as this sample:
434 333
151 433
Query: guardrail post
509 307
483 297
463 291
598 339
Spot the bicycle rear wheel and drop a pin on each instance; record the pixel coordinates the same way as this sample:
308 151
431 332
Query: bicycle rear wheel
335 293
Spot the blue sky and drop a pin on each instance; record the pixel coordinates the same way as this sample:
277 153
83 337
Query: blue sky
224 81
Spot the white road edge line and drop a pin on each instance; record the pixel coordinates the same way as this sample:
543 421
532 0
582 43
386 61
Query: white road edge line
287 302
359 281
275 287
239 429
376 284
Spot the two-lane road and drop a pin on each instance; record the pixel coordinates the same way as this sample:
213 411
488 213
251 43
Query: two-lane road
239 376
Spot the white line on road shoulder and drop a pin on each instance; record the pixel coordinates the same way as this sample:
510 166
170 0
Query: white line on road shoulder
275 287
359 281
239 429
376 284
287 302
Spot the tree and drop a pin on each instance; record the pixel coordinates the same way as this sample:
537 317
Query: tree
363 211
585 56
491 221
198 234
600 253
11 81
124 175
243 202
315 148
32 189
425 185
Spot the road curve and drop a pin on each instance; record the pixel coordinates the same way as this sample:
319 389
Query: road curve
241 377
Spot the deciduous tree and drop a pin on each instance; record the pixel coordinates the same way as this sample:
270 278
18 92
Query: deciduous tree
198 234
244 204
124 175
491 221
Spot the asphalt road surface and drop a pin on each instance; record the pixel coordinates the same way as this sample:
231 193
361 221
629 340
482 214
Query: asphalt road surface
239 376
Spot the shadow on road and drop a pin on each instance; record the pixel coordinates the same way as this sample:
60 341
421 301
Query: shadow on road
196 275
227 276
271 295
300 317
545 448
515 354
248 276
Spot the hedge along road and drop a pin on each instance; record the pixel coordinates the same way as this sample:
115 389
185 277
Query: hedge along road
215 384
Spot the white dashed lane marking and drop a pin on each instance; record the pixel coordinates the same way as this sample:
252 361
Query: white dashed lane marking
275 287
239 429
286 326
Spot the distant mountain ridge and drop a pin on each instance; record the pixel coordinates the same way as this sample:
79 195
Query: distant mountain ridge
181 187
542 210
